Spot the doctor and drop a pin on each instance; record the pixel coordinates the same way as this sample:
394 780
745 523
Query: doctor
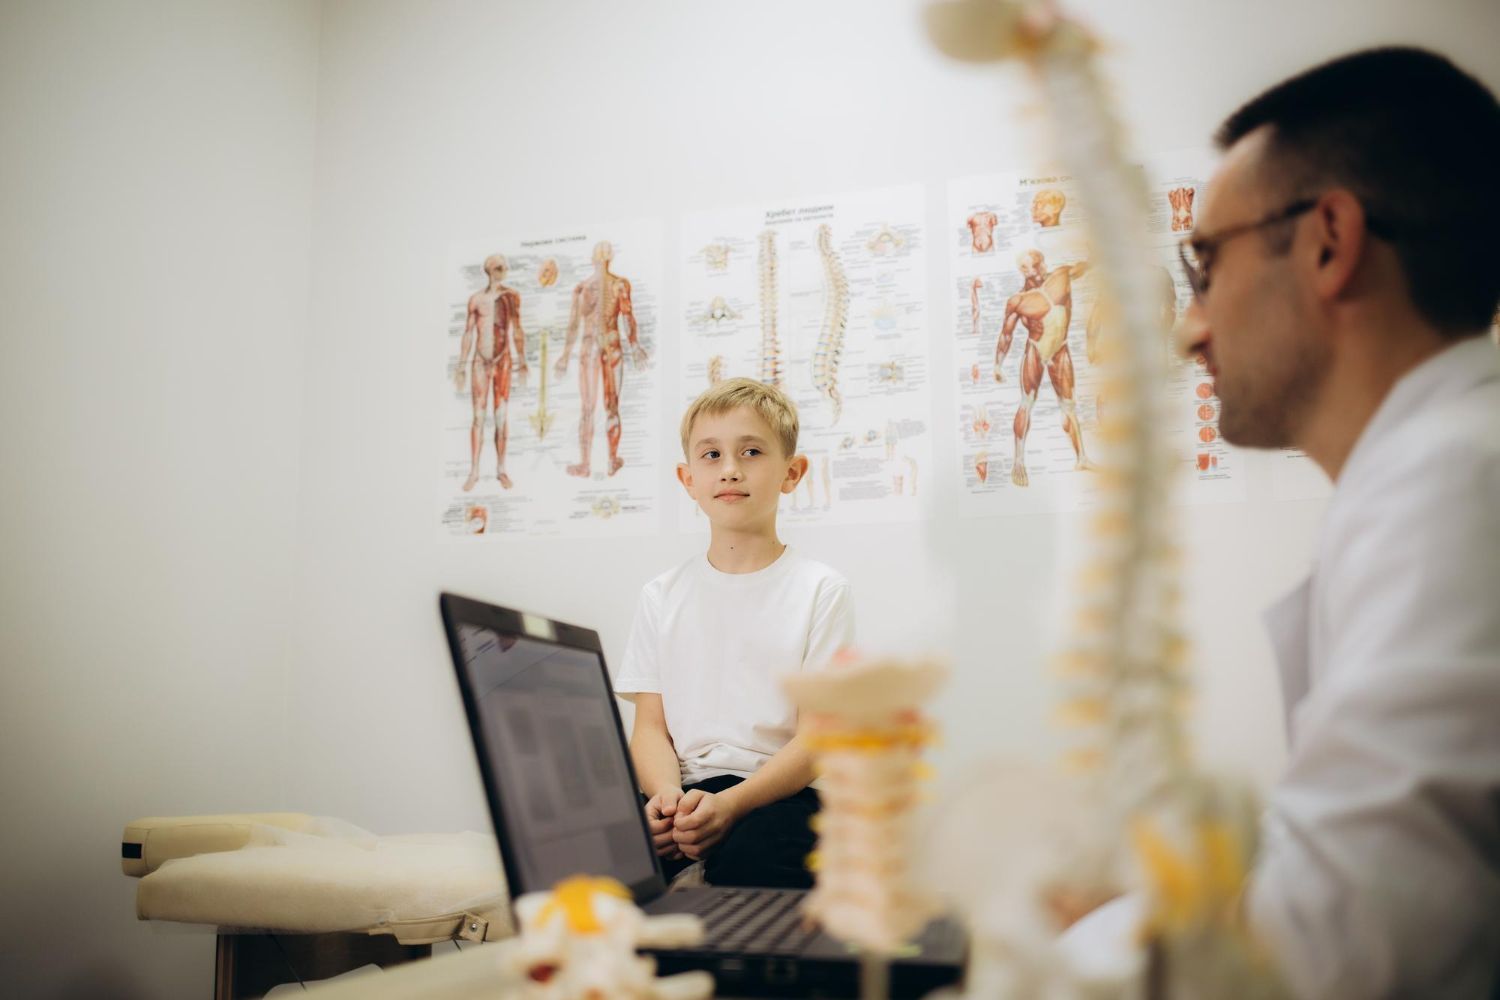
1345 273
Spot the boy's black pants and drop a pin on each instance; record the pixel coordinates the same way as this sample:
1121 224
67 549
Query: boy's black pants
767 847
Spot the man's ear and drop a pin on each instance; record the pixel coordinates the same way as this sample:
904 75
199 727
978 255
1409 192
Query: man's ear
1341 233
685 477
795 470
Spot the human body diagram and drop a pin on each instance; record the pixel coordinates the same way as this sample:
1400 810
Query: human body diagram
601 304
523 310
1044 308
493 352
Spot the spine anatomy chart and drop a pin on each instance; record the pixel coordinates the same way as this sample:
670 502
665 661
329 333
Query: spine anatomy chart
770 347
551 402
835 318
826 299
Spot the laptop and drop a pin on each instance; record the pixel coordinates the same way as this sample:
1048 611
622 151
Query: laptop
564 800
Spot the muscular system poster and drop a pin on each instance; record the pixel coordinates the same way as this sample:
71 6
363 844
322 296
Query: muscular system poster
825 297
551 398
1027 322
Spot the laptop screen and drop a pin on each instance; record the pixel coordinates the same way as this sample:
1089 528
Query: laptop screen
555 757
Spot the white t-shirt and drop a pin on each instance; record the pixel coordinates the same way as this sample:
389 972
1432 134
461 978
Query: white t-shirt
715 645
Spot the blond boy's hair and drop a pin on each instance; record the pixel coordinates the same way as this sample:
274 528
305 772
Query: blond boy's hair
767 401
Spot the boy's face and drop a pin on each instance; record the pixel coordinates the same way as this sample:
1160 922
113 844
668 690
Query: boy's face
736 471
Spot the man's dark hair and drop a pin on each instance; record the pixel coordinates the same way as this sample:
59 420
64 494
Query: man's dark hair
1417 140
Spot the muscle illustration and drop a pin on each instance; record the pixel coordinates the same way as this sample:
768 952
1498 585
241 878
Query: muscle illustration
1044 308
830 347
602 302
1181 200
492 351
974 305
770 348
982 231
546 275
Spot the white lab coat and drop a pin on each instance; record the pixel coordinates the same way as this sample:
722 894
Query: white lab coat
1380 871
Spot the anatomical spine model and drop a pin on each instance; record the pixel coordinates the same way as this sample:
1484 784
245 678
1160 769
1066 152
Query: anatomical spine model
866 731
770 348
1186 839
579 941
835 317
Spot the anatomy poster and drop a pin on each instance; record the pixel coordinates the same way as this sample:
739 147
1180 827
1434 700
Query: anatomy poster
825 297
1215 471
1027 323
1022 295
550 389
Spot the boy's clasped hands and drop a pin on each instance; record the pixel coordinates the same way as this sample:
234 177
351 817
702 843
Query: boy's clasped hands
689 824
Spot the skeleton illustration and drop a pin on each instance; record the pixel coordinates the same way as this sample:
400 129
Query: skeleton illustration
719 311
835 315
716 369
770 348
716 256
543 417
886 242
891 373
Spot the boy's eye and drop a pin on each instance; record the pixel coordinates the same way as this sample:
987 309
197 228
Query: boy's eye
752 451
711 453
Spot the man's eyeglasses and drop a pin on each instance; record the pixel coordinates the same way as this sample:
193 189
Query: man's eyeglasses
1197 251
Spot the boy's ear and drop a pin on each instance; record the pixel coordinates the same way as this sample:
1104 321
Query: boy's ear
685 477
795 470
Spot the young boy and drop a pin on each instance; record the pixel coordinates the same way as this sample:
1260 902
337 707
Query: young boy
715 741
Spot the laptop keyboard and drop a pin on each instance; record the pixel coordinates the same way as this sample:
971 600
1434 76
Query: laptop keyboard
765 921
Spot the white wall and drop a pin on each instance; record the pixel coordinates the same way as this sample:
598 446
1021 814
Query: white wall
154 190
220 563
446 121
